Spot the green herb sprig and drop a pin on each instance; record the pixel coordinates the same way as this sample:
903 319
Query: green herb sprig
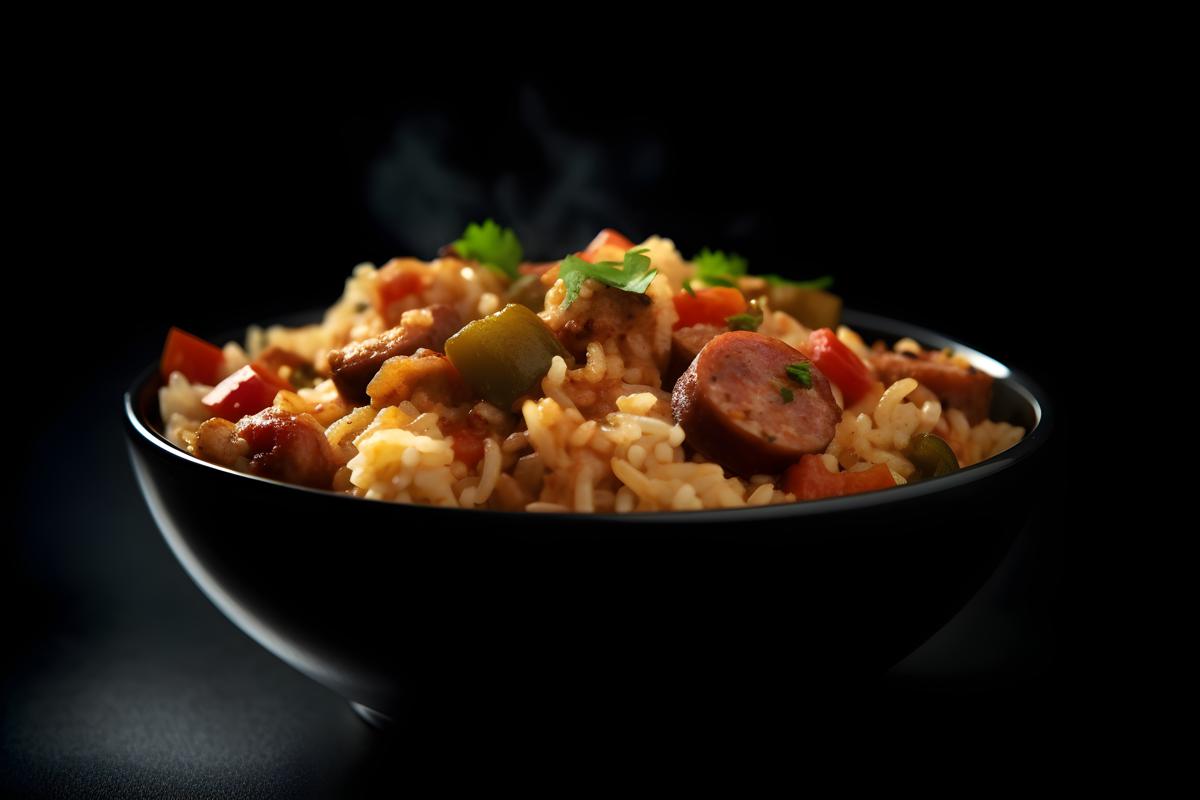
634 275
493 246
801 373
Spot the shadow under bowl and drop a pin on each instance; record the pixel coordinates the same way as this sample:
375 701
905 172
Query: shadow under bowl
413 611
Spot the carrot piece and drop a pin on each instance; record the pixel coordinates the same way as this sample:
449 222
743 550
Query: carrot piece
708 306
808 479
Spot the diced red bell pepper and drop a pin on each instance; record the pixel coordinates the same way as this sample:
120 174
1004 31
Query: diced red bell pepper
838 363
708 306
605 238
246 391
195 358
466 439
810 480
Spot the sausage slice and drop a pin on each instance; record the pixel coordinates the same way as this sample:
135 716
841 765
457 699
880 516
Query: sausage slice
354 365
964 388
732 403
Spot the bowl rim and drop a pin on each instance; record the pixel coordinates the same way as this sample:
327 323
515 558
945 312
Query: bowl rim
1019 382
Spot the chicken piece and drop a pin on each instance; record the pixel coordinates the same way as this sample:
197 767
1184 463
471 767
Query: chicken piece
353 366
289 447
426 377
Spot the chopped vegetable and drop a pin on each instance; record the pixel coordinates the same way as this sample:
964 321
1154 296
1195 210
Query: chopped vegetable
247 391
198 360
467 444
840 365
716 268
749 321
931 456
527 290
801 373
811 306
712 306
492 246
634 276
787 394
743 322
605 239
504 355
810 480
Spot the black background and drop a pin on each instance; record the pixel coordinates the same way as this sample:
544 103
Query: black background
931 197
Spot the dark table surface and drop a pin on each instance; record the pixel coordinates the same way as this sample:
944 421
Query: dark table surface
125 681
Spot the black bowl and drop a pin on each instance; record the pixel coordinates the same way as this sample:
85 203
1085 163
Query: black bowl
409 610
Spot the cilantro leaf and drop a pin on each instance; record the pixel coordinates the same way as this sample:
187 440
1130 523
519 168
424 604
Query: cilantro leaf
716 268
748 321
786 394
801 373
634 275
492 246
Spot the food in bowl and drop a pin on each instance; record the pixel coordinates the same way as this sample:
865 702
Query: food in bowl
621 378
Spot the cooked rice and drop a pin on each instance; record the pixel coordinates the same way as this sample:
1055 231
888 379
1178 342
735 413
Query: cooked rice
599 438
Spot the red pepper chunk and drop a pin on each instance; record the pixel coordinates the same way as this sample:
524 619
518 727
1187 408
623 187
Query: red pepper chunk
246 391
198 360
605 238
708 306
810 480
467 441
467 446
840 365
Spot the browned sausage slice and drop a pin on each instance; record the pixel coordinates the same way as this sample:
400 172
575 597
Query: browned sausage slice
354 365
964 388
733 404
686 344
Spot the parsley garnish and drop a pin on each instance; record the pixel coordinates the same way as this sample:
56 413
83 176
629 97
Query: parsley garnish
717 268
687 287
786 394
634 275
492 246
748 321
801 373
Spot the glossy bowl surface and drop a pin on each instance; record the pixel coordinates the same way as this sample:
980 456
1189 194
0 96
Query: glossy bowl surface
408 609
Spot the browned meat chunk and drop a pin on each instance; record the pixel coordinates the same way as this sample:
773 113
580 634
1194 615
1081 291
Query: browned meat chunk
426 377
290 366
686 344
739 407
289 447
354 365
964 388
611 314
217 441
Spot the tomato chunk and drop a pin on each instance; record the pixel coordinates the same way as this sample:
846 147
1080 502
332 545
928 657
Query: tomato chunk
605 238
195 358
840 365
809 480
708 306
246 391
